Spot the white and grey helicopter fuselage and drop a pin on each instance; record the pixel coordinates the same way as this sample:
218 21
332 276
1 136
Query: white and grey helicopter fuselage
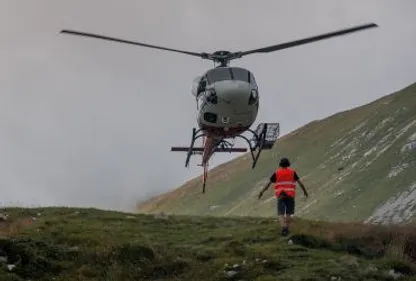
227 101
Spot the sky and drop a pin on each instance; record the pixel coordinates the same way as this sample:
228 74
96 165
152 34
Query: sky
89 123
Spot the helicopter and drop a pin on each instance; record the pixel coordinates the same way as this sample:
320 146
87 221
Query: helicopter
227 100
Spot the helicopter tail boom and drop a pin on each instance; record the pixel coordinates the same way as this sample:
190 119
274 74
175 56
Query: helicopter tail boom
199 150
263 138
206 154
210 146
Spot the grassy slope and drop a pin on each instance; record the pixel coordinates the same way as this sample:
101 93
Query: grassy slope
89 244
344 160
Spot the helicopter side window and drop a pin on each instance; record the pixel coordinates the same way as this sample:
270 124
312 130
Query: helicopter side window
219 74
253 80
201 85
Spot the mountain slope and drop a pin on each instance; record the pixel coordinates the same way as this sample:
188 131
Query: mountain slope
358 164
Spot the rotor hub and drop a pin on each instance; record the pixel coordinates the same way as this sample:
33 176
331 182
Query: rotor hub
222 57
223 54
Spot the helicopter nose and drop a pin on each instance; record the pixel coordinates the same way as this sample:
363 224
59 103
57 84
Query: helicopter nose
235 92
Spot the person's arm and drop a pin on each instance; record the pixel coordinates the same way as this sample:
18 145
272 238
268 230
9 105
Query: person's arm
272 179
301 185
264 189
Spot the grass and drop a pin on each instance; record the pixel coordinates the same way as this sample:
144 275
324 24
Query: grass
89 244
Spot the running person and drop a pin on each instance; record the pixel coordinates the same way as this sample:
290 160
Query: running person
285 191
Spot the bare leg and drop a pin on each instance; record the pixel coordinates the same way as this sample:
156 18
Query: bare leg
282 210
283 224
290 210
282 220
288 220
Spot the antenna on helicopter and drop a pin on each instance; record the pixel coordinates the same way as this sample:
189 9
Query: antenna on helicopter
224 57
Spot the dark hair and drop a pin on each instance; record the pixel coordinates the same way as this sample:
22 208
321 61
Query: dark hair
284 162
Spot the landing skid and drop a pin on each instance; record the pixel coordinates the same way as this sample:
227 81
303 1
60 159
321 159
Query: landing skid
263 138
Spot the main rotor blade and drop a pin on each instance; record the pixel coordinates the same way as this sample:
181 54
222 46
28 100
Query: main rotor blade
308 40
73 32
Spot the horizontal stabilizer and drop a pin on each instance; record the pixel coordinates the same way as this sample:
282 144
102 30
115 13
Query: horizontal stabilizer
201 149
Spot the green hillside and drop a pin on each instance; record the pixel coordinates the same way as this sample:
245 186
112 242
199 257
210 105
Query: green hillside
355 164
68 244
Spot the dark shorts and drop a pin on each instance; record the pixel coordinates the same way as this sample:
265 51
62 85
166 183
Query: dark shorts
285 205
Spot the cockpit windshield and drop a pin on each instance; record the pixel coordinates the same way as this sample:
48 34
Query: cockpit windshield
218 74
229 73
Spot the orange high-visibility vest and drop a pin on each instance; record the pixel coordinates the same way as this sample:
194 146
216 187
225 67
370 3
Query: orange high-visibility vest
285 181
